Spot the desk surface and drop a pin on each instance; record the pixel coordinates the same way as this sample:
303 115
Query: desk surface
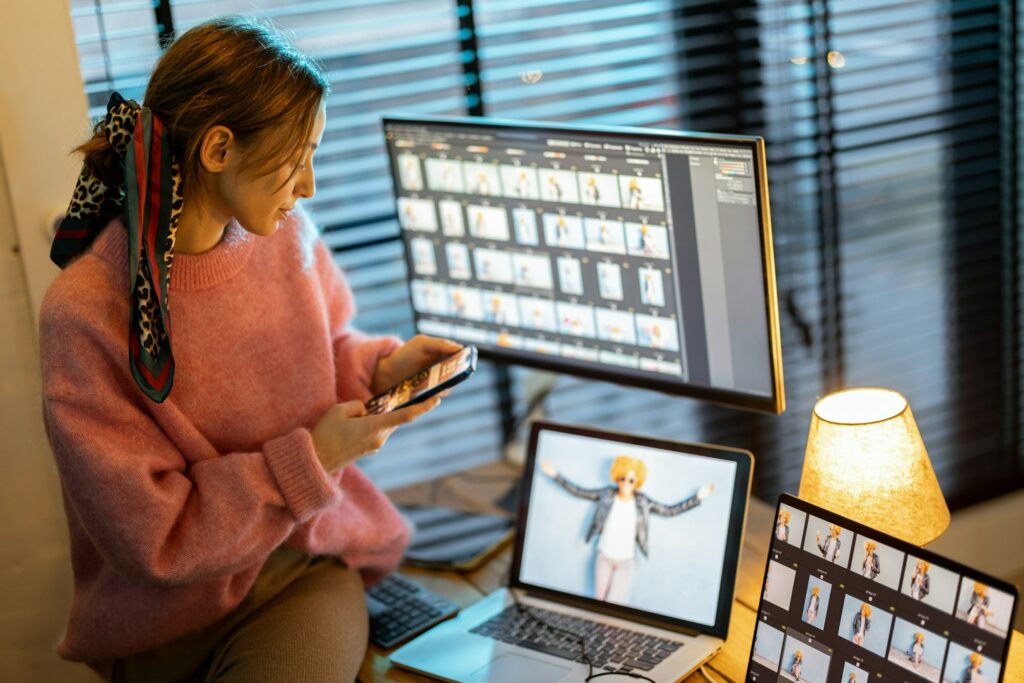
475 490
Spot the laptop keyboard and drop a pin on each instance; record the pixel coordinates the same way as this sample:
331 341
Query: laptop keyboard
608 647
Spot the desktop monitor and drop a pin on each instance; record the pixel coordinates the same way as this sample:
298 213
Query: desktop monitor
637 256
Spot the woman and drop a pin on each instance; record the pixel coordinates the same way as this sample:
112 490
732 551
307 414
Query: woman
217 530
972 673
797 665
871 565
915 653
830 548
861 624
621 519
978 611
813 604
782 525
920 582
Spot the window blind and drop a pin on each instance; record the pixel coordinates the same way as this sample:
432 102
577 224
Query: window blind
893 131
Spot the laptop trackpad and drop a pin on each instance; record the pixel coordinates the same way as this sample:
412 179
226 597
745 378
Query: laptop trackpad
513 668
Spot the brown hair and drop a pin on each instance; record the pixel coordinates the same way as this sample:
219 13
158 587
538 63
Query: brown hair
233 72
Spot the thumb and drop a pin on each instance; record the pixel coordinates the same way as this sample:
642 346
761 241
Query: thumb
352 409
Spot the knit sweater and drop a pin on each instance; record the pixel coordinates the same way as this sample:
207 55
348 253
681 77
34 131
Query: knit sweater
172 508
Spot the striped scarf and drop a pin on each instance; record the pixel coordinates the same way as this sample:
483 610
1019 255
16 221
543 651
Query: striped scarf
150 200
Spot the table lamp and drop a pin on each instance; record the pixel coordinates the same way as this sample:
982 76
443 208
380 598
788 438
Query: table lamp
865 460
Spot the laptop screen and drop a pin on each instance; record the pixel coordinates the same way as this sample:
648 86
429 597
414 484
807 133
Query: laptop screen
842 603
645 526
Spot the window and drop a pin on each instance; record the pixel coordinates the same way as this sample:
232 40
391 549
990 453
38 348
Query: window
892 130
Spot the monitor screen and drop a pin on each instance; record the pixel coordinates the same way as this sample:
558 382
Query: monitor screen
651 526
842 603
637 256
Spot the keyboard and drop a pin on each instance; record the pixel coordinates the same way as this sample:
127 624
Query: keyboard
400 608
608 647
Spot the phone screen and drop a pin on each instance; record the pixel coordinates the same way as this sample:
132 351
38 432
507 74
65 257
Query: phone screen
422 383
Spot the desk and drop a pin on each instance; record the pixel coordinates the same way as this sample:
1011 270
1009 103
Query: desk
475 490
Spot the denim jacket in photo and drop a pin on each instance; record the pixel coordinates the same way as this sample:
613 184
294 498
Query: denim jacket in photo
605 496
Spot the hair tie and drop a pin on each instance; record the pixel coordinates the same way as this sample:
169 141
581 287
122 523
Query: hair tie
149 197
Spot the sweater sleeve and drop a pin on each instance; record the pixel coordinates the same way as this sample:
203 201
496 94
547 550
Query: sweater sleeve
355 354
149 510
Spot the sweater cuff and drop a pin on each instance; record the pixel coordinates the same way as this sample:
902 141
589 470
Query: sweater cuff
305 485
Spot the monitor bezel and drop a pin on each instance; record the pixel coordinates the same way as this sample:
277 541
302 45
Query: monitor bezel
905 547
773 404
744 461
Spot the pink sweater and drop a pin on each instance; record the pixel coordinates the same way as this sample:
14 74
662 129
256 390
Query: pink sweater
174 507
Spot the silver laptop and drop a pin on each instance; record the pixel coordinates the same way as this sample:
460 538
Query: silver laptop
625 560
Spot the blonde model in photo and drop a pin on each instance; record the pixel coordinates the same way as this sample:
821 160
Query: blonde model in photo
451 219
830 548
651 292
796 667
636 195
554 189
978 611
523 184
409 167
871 565
813 604
495 312
915 653
483 184
972 673
621 520
562 231
852 678
782 525
861 624
920 581
591 192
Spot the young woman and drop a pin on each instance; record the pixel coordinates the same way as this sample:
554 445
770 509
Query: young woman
796 667
920 581
870 566
978 611
782 526
915 653
861 624
830 548
813 604
621 519
218 531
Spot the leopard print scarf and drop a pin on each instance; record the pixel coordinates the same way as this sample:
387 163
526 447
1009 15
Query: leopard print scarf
150 200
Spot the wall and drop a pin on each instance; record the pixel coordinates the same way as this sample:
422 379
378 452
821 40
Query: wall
42 114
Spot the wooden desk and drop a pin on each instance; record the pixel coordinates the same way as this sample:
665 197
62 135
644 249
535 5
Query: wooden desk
476 489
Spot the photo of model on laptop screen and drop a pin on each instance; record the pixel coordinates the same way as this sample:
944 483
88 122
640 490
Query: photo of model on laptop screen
843 603
630 542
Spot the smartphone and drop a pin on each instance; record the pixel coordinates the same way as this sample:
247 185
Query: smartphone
442 375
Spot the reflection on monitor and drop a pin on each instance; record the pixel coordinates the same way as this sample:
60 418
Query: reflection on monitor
637 256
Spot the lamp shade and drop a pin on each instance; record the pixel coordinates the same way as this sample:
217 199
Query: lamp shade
865 460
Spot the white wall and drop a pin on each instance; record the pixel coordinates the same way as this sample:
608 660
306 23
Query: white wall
42 115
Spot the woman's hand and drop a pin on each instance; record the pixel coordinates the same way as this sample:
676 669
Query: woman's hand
416 354
705 491
548 469
346 433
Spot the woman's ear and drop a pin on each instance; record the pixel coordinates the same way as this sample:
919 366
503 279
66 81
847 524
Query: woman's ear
217 149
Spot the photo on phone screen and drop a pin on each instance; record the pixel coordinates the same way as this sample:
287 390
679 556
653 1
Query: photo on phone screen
442 375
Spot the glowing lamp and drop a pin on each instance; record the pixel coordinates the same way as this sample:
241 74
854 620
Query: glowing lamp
865 460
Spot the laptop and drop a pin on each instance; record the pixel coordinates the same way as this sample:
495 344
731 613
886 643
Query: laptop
843 603
625 561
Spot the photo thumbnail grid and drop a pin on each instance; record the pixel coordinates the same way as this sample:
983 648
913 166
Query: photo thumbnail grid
600 282
875 609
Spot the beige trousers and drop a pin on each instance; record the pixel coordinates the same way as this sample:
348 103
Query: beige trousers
304 620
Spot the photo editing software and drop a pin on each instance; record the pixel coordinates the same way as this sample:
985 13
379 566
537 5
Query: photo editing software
844 606
641 256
